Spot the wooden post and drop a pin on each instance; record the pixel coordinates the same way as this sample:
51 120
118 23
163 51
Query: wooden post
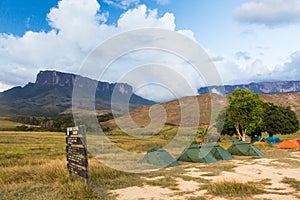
87 179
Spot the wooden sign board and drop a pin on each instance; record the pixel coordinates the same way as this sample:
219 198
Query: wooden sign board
77 170
76 149
77 160
72 131
74 140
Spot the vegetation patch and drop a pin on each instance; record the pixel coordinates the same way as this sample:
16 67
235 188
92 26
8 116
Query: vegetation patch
234 189
166 182
196 179
292 183
197 198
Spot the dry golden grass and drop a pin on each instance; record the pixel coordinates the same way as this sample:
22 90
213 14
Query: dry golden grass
292 182
234 189
174 108
33 166
5 123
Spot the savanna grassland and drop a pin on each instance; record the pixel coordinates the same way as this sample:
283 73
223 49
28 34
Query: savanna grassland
33 166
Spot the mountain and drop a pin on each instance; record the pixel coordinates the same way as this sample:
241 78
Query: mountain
173 109
259 88
51 95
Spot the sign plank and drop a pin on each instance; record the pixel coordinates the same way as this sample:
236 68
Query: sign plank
74 140
77 160
77 170
76 150
72 131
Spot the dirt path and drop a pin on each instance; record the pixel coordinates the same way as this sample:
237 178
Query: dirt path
269 171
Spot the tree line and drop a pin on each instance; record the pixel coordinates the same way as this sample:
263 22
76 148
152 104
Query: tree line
248 114
56 124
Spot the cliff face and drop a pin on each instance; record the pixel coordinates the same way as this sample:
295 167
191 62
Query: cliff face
52 78
259 88
51 94
55 78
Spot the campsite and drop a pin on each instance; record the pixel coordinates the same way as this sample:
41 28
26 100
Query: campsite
149 100
38 171
40 164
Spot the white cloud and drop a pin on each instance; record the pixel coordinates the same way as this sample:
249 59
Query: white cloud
242 55
258 71
188 33
80 23
162 2
289 70
217 58
214 90
4 86
141 17
123 4
269 12
163 75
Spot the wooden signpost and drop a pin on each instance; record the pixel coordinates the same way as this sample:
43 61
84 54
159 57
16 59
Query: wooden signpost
77 157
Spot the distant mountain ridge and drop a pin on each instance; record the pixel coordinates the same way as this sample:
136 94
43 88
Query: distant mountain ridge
51 95
258 88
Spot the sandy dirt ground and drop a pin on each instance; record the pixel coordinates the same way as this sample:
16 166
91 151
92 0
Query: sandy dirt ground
256 170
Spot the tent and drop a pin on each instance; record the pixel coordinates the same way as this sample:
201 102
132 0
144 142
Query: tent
159 157
273 140
257 139
244 149
218 152
195 153
290 144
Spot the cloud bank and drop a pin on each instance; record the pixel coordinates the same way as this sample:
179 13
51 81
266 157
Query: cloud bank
257 71
269 12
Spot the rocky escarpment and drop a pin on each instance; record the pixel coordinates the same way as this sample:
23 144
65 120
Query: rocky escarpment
259 88
51 94
55 78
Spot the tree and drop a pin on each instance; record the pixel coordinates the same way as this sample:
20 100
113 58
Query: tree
201 133
224 125
279 120
244 113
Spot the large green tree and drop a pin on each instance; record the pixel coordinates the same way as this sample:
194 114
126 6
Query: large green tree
279 120
244 113
224 125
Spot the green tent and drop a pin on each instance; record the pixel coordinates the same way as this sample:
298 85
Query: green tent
244 149
217 151
159 157
258 139
195 153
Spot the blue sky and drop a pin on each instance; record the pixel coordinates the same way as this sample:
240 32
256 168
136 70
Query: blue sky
248 40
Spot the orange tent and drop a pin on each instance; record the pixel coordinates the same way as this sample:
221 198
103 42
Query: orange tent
290 144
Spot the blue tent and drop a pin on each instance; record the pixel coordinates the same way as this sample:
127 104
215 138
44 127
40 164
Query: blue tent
273 140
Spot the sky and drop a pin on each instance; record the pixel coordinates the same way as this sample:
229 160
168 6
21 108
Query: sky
247 40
